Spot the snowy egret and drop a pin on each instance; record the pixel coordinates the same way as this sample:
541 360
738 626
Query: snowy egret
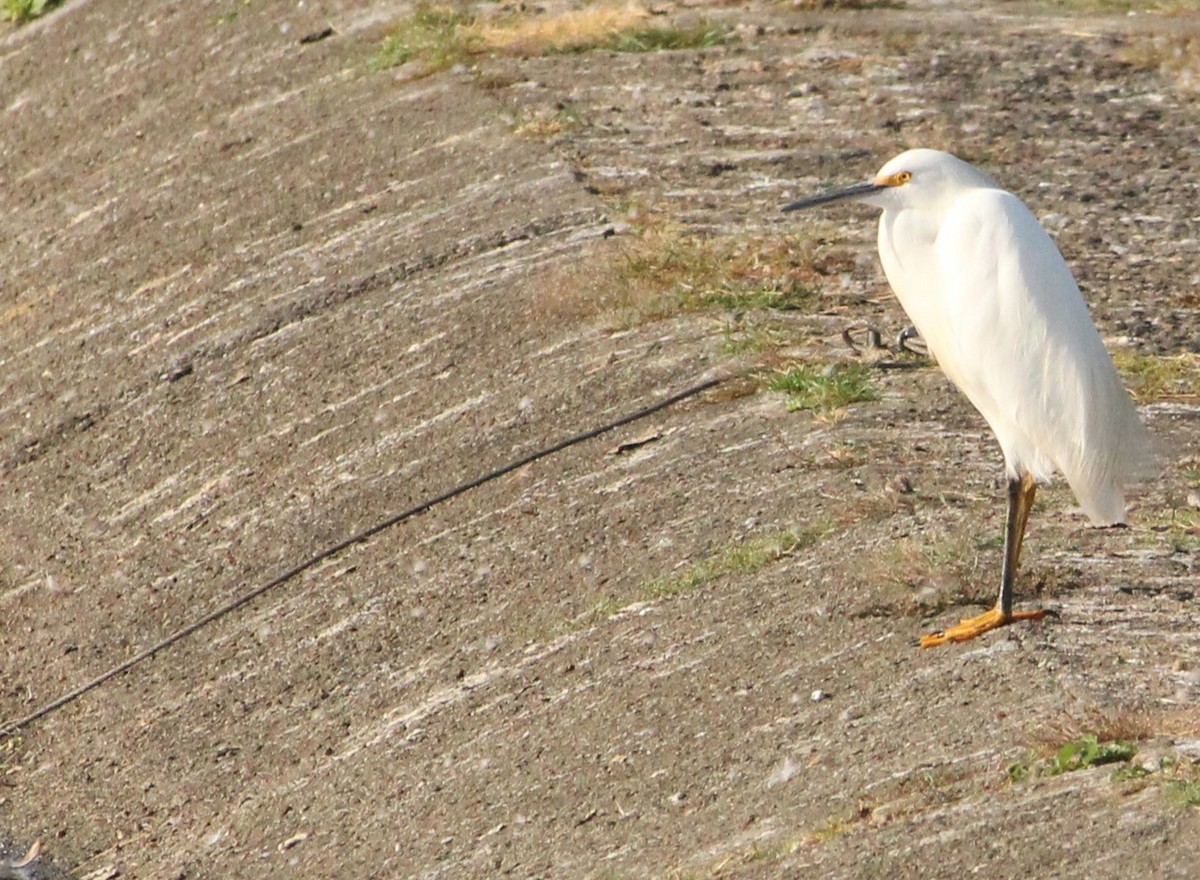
1000 311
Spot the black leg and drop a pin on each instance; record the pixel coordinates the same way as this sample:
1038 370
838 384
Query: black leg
1020 502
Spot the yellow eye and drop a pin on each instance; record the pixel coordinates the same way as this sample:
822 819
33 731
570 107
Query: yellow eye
903 177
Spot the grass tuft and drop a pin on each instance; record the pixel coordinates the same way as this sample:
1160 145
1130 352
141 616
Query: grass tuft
1160 377
618 28
1109 7
752 339
662 272
1112 737
824 387
1175 529
659 271
702 35
1081 753
21 11
1174 56
443 36
831 830
1183 792
438 36
742 558
1089 751
698 274
544 127
574 30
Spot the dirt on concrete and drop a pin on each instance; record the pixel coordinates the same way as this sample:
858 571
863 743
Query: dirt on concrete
257 295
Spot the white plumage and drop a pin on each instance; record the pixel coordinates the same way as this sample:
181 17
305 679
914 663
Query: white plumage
1000 311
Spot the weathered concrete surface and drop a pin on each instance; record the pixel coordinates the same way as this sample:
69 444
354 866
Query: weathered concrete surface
256 298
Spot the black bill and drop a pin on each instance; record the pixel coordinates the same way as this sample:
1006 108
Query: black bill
851 192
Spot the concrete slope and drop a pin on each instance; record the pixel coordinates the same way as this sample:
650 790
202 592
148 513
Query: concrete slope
257 298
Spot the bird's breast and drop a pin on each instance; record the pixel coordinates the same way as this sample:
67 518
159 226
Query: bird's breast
907 240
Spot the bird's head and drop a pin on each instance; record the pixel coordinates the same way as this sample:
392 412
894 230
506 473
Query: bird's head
915 178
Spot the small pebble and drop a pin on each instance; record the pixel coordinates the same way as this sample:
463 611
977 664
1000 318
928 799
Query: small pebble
850 714
293 841
818 695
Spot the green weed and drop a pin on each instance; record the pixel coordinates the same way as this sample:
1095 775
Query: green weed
602 610
1018 771
824 387
1183 793
665 272
542 126
788 297
1082 753
742 558
21 11
751 340
760 853
702 35
1132 772
1088 751
1128 6
831 830
438 36
1178 529
1160 377
443 36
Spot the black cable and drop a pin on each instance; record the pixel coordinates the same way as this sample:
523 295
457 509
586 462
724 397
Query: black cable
13 726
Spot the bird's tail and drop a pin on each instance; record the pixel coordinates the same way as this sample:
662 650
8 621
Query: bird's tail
1100 479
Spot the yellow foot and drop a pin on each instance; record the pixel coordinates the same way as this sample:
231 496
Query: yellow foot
977 626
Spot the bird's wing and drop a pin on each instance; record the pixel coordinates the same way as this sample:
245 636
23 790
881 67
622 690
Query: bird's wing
1022 346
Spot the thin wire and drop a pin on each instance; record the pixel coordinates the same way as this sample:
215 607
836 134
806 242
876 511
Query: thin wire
13 726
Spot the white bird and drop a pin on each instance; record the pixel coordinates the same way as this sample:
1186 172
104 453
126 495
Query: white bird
1000 311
